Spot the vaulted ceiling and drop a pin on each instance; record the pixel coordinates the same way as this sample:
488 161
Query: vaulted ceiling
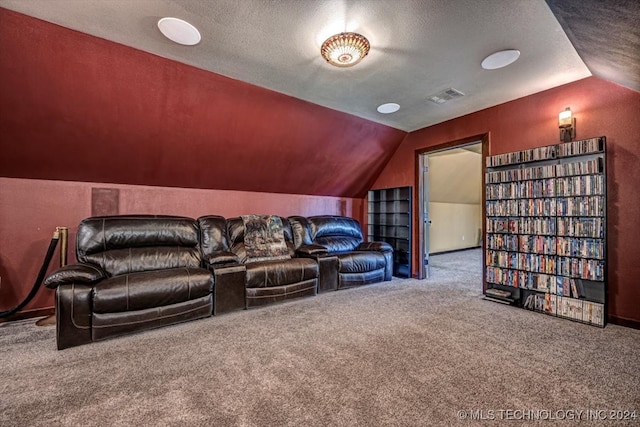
606 35
419 47
253 106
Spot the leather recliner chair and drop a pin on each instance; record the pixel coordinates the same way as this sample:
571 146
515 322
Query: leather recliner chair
133 273
337 244
269 281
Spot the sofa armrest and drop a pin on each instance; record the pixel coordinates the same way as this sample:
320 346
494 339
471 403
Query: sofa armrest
229 289
75 273
386 250
375 246
307 251
221 258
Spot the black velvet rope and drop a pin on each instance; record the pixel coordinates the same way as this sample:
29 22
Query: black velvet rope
38 282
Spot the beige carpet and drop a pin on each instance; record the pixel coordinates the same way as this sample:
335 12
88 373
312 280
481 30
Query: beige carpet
405 353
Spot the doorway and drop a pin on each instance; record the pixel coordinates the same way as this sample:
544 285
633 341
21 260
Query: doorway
450 208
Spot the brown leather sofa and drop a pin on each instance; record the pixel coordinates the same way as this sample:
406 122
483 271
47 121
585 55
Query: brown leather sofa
267 279
138 272
133 273
337 244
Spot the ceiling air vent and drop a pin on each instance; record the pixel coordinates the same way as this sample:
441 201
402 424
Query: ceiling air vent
445 96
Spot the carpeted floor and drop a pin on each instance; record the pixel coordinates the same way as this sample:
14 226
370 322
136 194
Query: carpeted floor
400 353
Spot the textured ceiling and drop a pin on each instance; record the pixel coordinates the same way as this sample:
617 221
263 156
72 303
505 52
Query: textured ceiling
113 114
419 48
606 34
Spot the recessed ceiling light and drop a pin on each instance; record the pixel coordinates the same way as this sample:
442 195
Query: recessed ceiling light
500 59
179 31
388 108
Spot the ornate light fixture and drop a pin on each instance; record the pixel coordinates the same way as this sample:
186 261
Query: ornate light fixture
345 49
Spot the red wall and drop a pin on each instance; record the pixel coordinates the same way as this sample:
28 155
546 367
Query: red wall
31 209
77 110
601 109
80 108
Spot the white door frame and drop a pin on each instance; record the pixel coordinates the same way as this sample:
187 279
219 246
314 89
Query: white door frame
423 216
423 193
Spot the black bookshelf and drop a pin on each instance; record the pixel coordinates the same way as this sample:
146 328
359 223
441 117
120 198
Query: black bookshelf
389 220
545 244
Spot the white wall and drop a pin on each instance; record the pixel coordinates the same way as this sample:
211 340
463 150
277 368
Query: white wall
455 197
454 226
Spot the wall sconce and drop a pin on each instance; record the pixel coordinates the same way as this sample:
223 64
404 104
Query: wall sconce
567 125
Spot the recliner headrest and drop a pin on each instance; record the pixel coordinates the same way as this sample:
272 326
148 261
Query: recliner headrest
101 234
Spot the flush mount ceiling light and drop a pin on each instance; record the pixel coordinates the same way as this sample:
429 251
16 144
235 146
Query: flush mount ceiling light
345 49
500 59
388 108
179 31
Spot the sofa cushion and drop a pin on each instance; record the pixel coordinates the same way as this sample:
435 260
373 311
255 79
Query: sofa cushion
336 233
264 238
235 234
149 289
360 262
300 231
213 235
277 273
130 243
331 225
100 234
131 260
337 244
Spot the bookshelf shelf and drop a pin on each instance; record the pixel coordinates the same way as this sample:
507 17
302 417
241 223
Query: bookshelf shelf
389 220
545 229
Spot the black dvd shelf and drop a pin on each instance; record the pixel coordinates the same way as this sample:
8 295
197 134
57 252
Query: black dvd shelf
545 230
389 220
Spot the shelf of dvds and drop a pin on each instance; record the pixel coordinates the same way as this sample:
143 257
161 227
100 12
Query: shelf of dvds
546 229
390 221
